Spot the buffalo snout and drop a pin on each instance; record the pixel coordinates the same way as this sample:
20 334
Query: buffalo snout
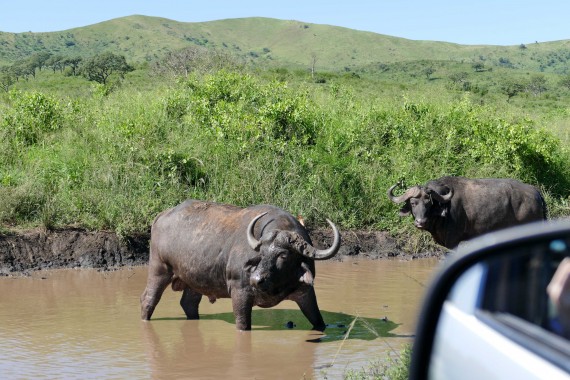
421 223
259 281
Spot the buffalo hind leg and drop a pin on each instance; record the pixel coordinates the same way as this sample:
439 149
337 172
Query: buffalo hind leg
190 301
159 276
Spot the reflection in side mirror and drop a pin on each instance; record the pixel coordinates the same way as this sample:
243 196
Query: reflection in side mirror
488 313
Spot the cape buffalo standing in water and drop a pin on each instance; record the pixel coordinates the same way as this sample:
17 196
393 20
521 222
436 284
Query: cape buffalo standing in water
257 256
454 209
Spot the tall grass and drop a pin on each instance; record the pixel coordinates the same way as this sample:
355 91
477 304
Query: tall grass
390 369
113 160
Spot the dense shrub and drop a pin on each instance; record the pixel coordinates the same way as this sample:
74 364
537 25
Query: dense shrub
323 151
32 115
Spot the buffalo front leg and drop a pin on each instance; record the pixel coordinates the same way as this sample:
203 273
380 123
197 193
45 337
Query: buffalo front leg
307 302
242 303
190 301
159 276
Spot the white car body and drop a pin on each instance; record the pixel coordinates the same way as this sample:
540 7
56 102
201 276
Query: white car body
467 347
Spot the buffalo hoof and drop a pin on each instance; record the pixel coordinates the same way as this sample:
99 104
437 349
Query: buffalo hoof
320 328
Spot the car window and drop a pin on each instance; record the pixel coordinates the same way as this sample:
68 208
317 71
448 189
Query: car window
514 300
516 284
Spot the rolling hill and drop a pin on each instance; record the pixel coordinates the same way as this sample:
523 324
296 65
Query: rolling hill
276 42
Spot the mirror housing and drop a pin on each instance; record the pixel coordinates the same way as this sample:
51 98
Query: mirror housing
511 243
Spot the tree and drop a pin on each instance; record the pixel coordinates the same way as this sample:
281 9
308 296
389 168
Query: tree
7 78
383 67
428 71
24 69
478 67
193 58
40 59
537 84
512 88
565 82
56 62
100 67
74 63
313 63
505 62
179 63
457 78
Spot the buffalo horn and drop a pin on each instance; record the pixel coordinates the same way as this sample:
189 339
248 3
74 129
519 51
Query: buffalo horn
251 240
411 192
442 198
324 254
298 243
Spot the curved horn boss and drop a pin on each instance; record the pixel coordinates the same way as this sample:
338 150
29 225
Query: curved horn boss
441 198
296 242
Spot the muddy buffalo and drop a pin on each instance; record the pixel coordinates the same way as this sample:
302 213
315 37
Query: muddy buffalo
454 209
257 256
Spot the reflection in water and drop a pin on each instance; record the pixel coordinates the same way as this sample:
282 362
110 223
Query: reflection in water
84 323
207 355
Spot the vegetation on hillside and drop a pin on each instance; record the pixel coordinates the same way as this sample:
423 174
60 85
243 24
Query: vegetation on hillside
114 160
113 152
273 42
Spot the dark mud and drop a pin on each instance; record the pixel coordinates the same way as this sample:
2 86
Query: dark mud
76 248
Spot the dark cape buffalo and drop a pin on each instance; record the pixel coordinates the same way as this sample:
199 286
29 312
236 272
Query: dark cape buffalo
257 256
455 209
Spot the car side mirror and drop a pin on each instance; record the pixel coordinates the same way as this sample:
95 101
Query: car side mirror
490 312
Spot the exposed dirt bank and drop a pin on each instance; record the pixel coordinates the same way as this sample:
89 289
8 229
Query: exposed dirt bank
73 248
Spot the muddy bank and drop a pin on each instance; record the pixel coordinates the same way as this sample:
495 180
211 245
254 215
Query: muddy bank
69 248
77 248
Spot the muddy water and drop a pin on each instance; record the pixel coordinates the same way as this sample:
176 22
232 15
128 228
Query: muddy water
85 324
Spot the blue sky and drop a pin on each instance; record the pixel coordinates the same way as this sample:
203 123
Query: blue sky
493 22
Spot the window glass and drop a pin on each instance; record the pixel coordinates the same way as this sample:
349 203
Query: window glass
516 284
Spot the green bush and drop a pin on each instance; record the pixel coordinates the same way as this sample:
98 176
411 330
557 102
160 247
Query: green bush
320 151
177 167
31 116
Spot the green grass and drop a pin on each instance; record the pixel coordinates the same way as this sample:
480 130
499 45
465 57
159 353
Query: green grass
113 160
390 369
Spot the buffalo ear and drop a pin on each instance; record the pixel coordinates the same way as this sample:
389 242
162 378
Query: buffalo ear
306 275
440 209
406 209
252 264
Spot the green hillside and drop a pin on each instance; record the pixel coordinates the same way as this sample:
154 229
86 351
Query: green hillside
275 42
78 151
